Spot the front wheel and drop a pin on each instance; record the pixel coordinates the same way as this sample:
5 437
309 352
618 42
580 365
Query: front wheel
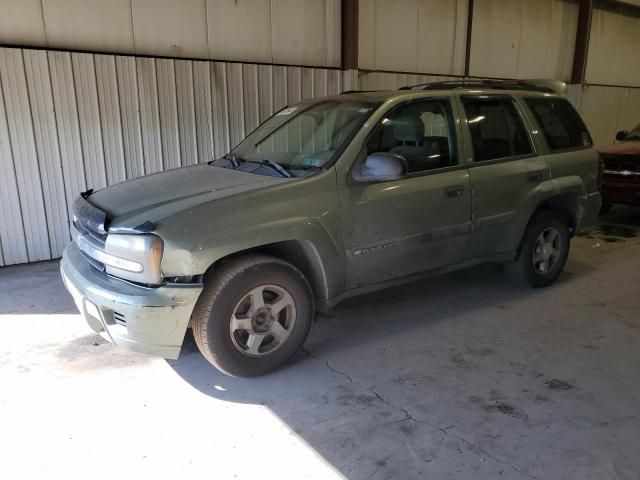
543 252
253 315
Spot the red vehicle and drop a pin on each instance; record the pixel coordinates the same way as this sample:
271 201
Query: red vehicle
621 178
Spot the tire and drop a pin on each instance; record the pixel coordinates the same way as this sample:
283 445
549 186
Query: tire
237 335
546 238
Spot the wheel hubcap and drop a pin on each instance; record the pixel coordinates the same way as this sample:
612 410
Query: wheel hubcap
262 320
547 250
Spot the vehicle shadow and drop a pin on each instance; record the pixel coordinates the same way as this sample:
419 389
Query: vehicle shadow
408 310
399 341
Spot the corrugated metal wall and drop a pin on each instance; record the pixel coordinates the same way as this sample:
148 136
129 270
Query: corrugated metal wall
523 38
267 31
413 35
72 121
614 46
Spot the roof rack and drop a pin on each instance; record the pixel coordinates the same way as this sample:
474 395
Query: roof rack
547 86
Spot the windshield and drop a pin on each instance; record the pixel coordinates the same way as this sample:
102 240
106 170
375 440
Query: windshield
306 136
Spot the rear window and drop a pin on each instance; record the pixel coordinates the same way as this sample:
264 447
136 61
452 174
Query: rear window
497 131
561 125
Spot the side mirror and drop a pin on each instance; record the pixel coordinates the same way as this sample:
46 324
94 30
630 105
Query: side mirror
621 135
381 167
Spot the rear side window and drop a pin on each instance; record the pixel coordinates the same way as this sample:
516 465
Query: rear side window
497 130
561 125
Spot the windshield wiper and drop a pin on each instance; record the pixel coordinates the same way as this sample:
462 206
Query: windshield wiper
234 159
276 166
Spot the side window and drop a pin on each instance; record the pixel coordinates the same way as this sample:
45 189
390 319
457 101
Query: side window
561 125
422 132
497 131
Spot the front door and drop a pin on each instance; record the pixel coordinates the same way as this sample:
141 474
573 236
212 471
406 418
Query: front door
417 223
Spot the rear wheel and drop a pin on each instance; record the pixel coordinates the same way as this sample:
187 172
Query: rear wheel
253 315
543 252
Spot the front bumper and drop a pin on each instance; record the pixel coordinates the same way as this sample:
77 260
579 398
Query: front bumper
617 190
145 320
588 210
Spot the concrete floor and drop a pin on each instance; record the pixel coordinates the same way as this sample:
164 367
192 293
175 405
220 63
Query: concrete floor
459 376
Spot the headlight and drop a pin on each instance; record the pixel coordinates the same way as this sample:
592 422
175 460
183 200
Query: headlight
134 257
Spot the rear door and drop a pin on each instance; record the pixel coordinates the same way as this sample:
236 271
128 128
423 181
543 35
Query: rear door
504 168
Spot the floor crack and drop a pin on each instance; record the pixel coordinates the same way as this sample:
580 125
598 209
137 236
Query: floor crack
378 395
409 417
477 448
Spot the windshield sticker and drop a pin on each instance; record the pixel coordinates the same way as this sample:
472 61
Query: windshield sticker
364 110
287 111
311 162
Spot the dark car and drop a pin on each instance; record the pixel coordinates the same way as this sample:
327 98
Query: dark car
621 179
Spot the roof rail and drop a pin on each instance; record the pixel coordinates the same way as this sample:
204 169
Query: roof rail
548 86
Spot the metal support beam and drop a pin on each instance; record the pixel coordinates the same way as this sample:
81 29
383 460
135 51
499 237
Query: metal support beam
467 52
349 34
581 50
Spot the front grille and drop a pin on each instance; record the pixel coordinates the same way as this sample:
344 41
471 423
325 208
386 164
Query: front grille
120 318
99 238
96 241
93 262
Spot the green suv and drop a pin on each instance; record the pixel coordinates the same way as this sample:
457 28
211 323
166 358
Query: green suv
327 199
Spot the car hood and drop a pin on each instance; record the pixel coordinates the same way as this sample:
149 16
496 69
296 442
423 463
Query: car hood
623 148
154 197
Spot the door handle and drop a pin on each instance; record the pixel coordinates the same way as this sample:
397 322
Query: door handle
535 176
454 191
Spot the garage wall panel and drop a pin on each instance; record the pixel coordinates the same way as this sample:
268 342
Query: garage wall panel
265 91
168 110
84 76
47 148
95 25
186 112
22 23
614 58
73 121
305 32
130 116
240 30
68 126
12 235
27 169
203 110
110 118
220 103
171 28
149 114
523 38
250 94
413 35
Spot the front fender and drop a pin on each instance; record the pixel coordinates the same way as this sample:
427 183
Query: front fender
327 255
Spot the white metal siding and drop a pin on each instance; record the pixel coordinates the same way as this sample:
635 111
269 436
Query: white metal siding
523 38
299 32
614 56
27 169
72 121
413 35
